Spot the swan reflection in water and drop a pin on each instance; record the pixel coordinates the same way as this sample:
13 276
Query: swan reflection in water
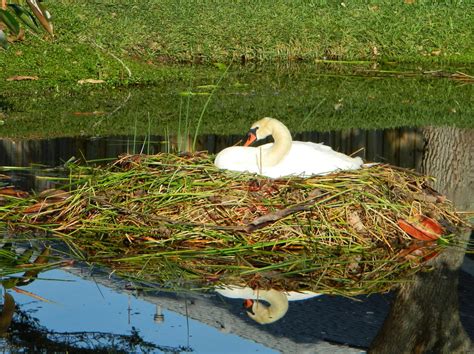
257 310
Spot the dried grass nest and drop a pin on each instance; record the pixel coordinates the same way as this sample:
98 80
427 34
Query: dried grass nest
174 218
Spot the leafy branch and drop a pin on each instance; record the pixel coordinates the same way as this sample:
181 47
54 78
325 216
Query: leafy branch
14 17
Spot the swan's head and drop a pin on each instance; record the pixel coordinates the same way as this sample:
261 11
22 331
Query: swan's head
263 128
261 313
276 302
264 314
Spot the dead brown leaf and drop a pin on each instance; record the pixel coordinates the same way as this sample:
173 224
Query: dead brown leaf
90 81
28 293
354 266
22 78
462 77
10 191
94 113
36 208
54 195
354 220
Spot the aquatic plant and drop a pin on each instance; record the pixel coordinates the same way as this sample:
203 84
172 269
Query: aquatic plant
177 218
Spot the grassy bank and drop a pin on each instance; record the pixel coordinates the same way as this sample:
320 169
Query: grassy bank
305 98
292 52
92 36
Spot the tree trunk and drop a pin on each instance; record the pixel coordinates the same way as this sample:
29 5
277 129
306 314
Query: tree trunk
424 316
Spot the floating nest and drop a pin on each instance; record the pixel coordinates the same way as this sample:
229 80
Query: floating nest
171 218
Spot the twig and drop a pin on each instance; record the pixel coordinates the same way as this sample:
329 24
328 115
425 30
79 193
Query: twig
115 57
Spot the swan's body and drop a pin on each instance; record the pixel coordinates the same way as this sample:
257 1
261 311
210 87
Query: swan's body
284 157
277 300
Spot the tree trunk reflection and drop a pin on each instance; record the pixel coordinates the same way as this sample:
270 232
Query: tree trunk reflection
424 316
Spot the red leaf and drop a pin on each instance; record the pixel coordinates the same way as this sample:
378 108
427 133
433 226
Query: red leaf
420 250
421 227
431 224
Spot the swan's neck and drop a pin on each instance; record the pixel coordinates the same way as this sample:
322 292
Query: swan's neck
280 148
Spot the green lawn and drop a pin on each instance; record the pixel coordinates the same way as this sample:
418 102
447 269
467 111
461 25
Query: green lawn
303 60
144 35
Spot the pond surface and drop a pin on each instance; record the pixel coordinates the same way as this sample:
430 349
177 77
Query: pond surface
93 310
306 97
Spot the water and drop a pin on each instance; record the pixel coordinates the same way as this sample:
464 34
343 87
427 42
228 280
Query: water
92 308
89 307
307 98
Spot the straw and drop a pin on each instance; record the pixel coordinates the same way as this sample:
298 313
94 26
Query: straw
177 218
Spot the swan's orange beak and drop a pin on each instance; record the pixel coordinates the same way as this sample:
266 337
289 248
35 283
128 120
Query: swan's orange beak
251 137
248 303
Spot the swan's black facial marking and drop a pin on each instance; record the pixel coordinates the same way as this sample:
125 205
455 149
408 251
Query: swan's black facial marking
251 136
250 311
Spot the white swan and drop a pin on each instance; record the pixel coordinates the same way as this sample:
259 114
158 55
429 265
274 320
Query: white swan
284 157
258 311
